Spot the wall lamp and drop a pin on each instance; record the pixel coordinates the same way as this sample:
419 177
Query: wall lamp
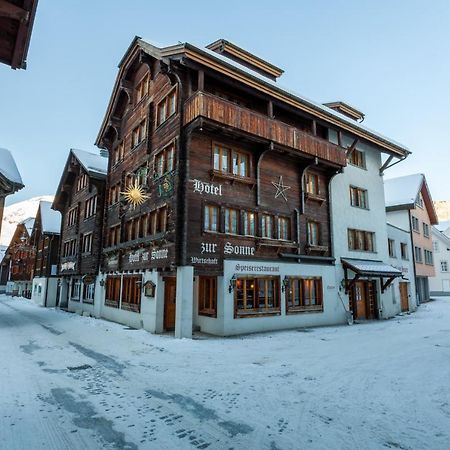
285 283
102 283
232 284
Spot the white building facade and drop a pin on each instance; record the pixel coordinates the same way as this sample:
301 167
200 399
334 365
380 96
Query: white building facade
440 283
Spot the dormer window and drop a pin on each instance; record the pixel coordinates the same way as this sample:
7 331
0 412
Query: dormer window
142 88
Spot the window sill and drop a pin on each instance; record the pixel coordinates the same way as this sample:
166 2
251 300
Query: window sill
232 178
88 302
111 303
240 314
354 165
132 307
315 197
212 315
306 309
360 207
316 248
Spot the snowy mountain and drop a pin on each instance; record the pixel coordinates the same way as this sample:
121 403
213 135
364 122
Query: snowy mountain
15 213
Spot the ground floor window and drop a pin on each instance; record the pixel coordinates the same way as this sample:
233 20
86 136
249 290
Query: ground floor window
88 293
75 290
304 294
257 295
131 292
207 296
112 295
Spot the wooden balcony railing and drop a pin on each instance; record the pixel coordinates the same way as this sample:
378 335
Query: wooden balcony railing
211 107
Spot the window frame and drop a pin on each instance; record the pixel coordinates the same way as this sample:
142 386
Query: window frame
355 238
207 301
165 101
361 163
231 150
302 307
359 197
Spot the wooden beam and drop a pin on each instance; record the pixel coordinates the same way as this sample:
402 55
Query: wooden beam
387 284
201 80
352 147
11 11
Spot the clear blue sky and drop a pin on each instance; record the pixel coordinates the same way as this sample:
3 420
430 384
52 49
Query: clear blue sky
391 59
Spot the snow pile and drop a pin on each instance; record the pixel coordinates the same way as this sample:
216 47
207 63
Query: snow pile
16 213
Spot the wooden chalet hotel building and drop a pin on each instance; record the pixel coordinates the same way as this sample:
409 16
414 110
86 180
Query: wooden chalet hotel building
218 213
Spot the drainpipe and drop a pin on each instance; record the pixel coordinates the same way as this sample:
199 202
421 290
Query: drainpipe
413 256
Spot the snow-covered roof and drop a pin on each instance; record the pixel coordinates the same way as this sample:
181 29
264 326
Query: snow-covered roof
93 163
8 168
402 191
29 224
370 267
50 219
442 233
443 226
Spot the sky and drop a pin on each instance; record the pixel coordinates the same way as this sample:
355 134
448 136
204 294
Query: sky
389 59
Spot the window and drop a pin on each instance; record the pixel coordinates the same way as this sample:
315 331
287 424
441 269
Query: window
87 243
88 293
304 294
164 160
83 181
357 158
114 236
358 197
231 161
131 293
444 266
138 134
142 88
426 229
415 223
211 219
404 250
231 221
256 295
161 220
72 216
418 254
112 291
114 194
167 107
361 240
284 228
118 154
419 201
70 248
75 290
249 223
90 207
436 246
428 257
207 296
313 232
312 184
267 226
391 248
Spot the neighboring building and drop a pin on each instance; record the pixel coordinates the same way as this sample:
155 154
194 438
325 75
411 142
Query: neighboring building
440 283
218 191
45 238
18 262
80 199
16 25
403 290
409 206
10 179
444 227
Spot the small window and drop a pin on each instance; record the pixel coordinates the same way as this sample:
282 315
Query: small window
312 184
313 233
164 160
83 181
267 226
72 216
444 266
207 296
304 294
249 223
428 257
418 255
142 88
415 223
75 290
426 229
211 218
358 197
167 107
404 250
231 221
231 161
357 158
419 201
87 243
436 246
88 293
284 228
90 207
391 248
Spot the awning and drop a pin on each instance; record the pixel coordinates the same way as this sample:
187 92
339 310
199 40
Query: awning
369 268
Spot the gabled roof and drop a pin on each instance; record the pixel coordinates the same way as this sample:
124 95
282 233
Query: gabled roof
50 219
402 192
9 173
28 224
441 234
443 226
94 164
253 79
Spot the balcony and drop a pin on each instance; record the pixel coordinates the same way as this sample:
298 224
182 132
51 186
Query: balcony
214 108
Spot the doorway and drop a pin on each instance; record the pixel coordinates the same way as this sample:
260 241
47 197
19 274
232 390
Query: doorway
404 303
363 300
170 301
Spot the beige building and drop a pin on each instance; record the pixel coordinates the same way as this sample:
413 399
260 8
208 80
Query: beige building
409 206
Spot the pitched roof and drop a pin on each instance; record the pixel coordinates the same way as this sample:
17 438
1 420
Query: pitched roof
441 235
9 171
443 226
50 219
93 163
254 79
402 193
29 224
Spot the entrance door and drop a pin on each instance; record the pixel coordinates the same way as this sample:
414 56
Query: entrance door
404 297
170 297
363 300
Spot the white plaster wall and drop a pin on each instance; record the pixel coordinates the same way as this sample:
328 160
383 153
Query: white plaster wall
333 311
344 216
399 219
406 266
42 287
439 283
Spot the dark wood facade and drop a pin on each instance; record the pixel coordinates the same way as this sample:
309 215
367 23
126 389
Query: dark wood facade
16 25
46 244
80 199
281 147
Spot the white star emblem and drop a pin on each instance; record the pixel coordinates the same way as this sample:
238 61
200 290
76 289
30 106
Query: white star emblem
281 188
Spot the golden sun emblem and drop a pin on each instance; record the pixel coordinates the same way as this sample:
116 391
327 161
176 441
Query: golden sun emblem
135 195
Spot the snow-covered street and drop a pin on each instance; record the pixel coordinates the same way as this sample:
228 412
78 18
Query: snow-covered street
71 382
